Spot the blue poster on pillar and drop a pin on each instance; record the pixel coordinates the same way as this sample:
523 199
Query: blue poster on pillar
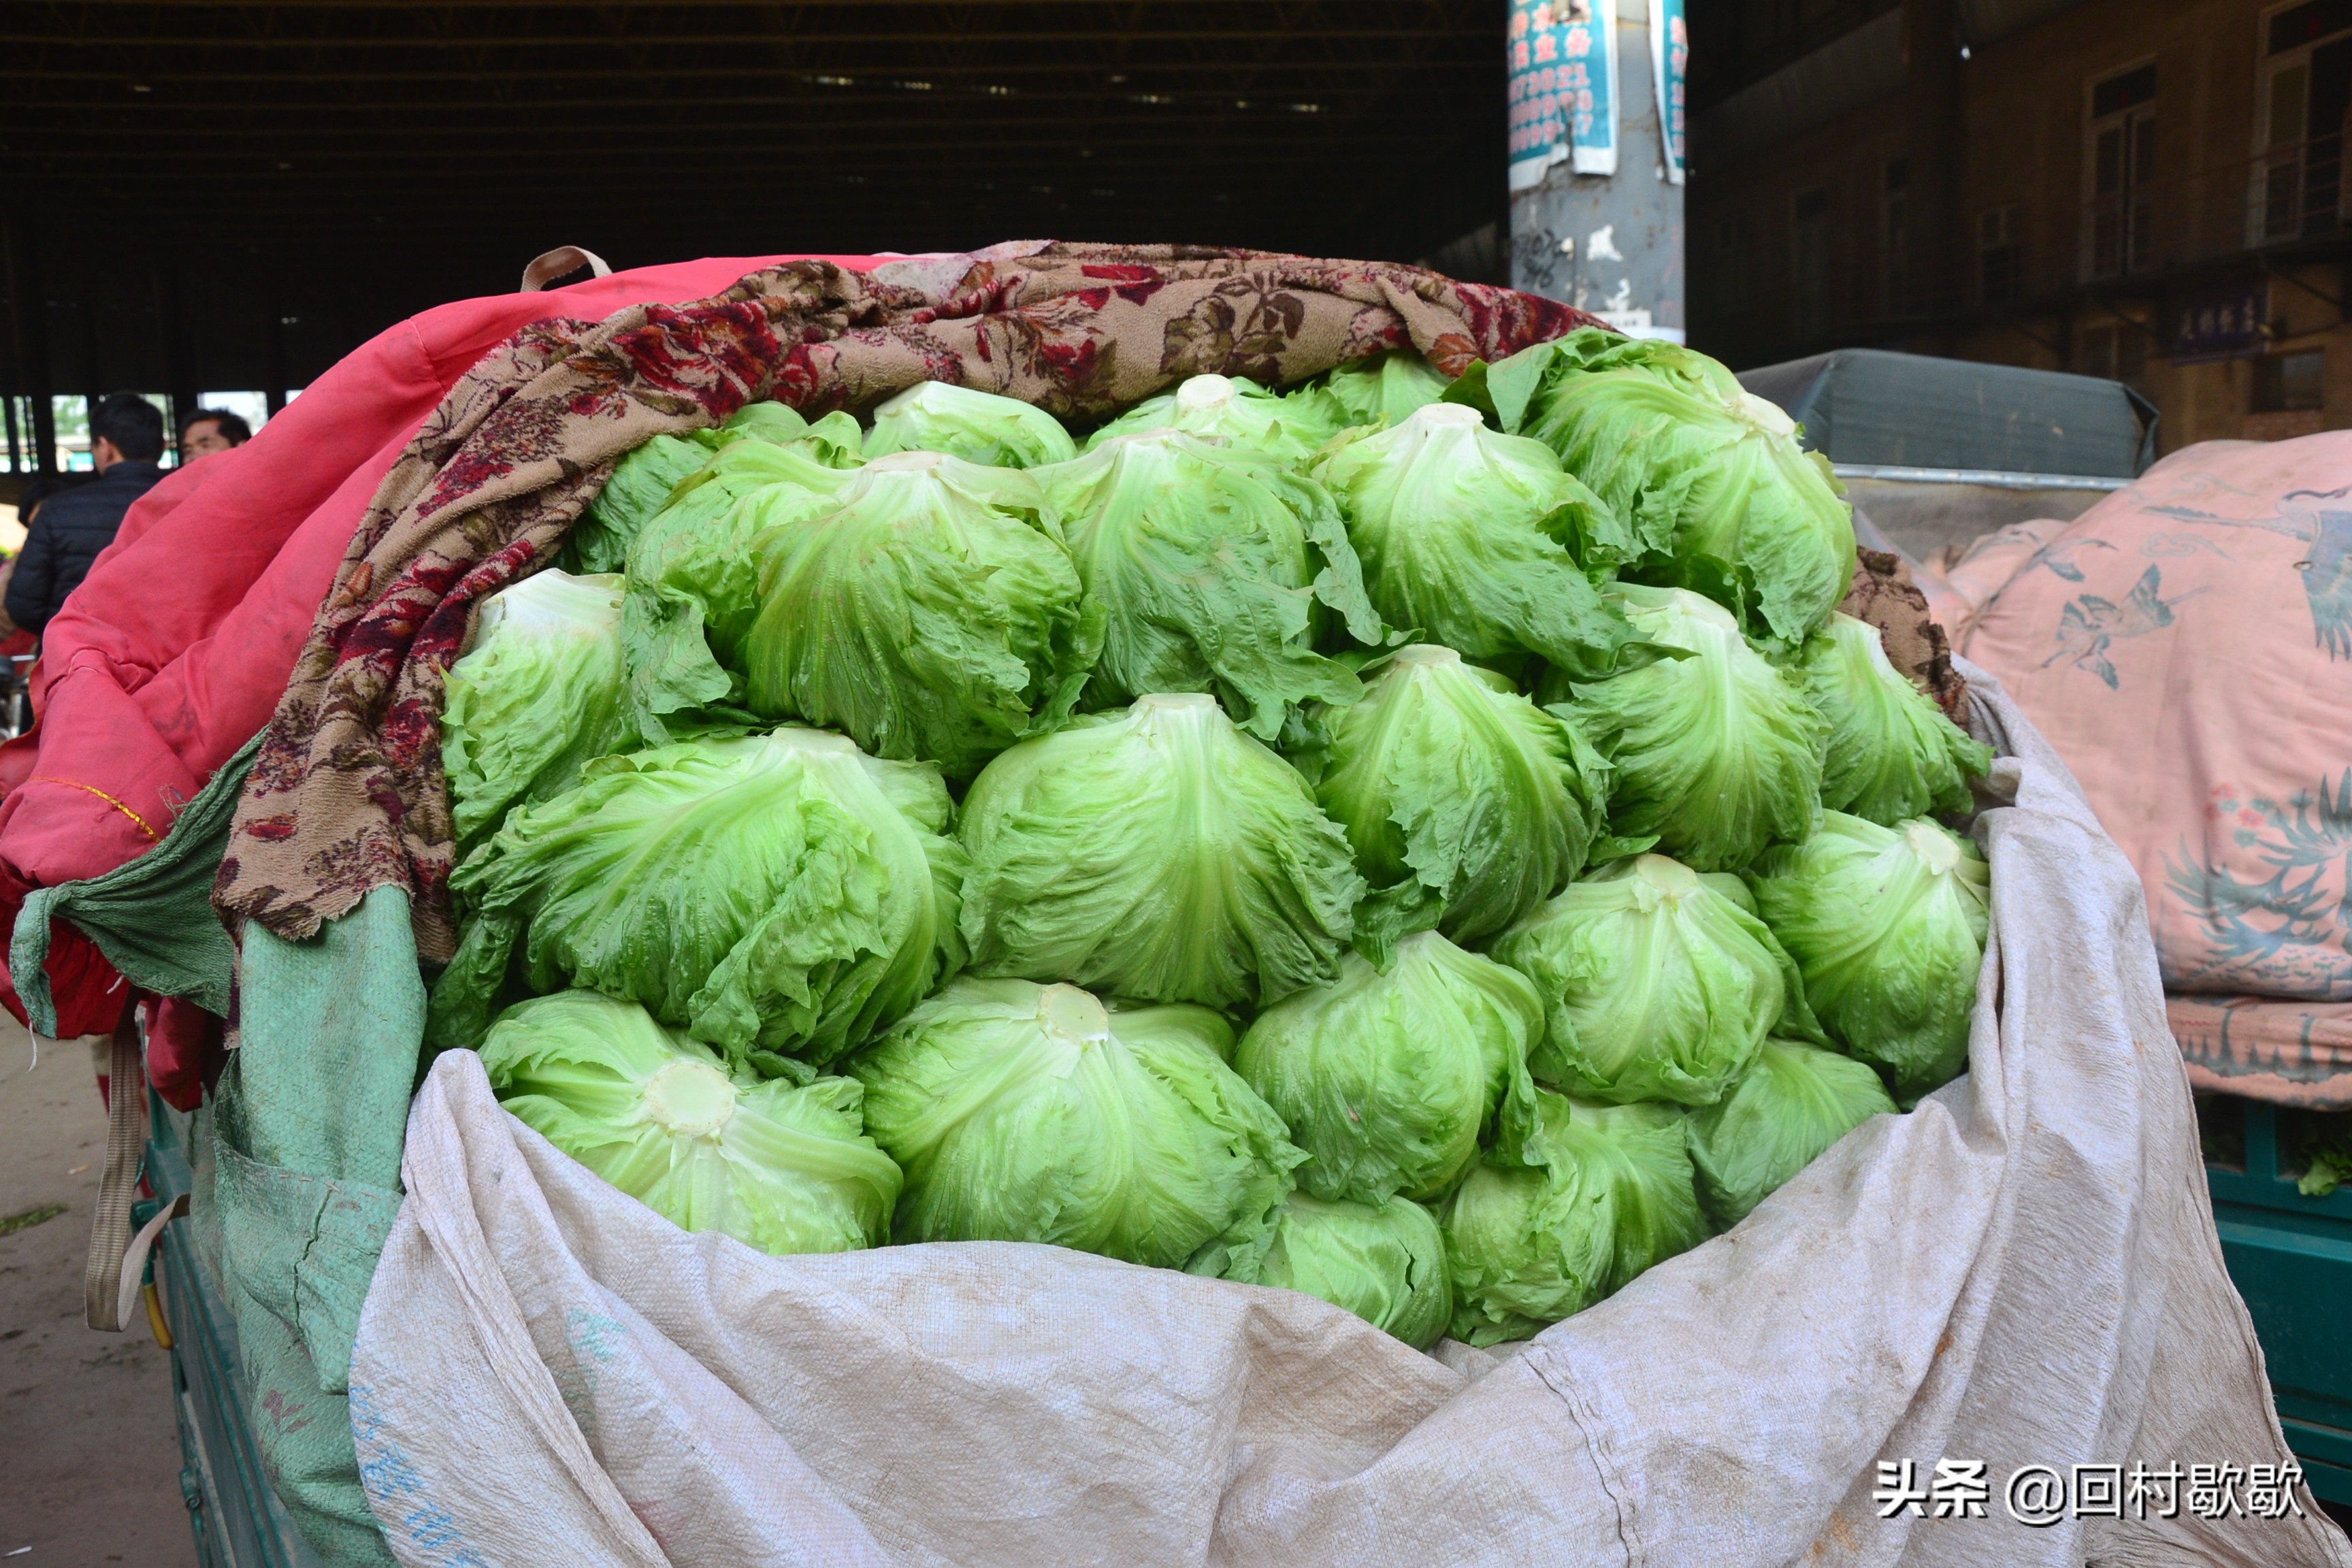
1563 89
1670 65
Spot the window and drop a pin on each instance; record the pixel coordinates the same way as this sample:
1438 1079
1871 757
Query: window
2001 255
1810 262
2119 220
19 412
2291 383
2308 24
1894 237
2116 351
2307 91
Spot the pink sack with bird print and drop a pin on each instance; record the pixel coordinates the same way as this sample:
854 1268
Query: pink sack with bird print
2185 646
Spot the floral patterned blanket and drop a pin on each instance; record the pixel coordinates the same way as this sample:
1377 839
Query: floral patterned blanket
2187 646
347 794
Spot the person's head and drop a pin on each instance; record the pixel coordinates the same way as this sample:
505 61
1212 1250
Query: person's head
29 499
210 430
124 427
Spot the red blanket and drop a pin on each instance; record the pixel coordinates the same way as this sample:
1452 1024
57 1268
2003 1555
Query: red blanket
175 648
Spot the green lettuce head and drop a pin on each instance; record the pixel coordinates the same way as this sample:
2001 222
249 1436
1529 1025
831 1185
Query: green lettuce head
1026 1112
1718 753
1888 926
1660 983
1385 1264
1892 753
694 585
643 480
774 895
978 426
1466 803
928 613
1389 1080
1238 412
1158 853
538 694
1710 476
1795 1102
1605 1194
1215 566
1471 537
779 1166
1385 389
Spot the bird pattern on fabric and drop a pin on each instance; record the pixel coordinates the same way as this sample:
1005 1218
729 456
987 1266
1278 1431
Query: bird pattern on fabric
2089 625
2327 567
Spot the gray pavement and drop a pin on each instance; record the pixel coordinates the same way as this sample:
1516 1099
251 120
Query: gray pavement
89 1455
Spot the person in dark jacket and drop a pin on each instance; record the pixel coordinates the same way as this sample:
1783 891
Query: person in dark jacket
126 437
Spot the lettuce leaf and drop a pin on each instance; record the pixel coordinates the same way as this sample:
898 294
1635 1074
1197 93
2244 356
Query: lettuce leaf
1888 926
1660 983
1026 1112
1384 389
1386 1263
1892 756
1717 753
1239 412
1604 1192
645 478
1158 853
1389 1080
1472 538
774 895
1466 803
1796 1101
693 584
931 612
978 426
538 694
1714 489
780 1166
1214 566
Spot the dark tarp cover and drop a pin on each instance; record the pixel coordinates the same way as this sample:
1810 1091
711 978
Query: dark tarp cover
1869 406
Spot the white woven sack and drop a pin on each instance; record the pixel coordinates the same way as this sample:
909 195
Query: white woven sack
2024 1272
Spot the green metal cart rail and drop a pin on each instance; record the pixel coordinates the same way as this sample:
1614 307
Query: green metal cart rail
235 1515
2290 1257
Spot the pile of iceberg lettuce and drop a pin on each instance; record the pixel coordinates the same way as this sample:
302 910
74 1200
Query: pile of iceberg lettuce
1433 846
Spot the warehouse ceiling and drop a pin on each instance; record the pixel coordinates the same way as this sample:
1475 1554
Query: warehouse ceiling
236 195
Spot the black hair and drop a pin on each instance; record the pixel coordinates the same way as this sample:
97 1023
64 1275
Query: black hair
132 423
29 498
232 426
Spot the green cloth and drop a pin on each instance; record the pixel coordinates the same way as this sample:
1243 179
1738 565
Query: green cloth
310 1116
153 917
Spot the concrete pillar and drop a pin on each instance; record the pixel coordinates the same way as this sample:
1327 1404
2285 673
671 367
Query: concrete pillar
1612 244
30 305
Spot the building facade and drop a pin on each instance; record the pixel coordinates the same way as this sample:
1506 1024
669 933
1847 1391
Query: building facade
2152 190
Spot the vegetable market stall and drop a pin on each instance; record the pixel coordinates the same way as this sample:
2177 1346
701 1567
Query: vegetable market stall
697 927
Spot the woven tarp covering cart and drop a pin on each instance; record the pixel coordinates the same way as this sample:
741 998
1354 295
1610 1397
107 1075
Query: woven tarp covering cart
2022 1272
